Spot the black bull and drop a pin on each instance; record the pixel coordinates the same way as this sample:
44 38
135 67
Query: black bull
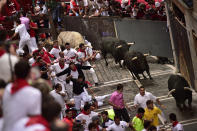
180 90
136 63
117 48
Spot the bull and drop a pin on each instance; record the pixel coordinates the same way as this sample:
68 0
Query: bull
136 63
117 48
72 37
180 90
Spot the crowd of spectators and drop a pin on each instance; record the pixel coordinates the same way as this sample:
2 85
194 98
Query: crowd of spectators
138 9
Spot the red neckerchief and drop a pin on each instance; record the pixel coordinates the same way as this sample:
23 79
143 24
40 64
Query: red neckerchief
61 66
138 116
97 128
71 119
87 82
80 50
84 112
56 47
38 120
175 123
75 68
18 84
2 52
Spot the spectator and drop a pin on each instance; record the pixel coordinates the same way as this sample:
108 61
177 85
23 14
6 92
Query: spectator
24 20
12 102
138 121
96 121
117 101
86 116
79 93
142 97
55 50
33 26
59 97
6 59
176 126
50 111
57 68
74 70
74 9
24 37
92 127
70 53
118 125
42 65
151 113
106 120
68 119
83 60
69 88
146 125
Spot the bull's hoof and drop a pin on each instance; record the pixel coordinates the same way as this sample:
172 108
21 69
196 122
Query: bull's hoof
151 78
106 64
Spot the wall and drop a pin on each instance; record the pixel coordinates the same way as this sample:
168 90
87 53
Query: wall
150 36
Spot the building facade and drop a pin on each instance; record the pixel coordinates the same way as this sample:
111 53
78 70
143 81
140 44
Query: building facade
182 23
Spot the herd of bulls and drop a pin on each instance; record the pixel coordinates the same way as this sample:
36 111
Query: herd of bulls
136 63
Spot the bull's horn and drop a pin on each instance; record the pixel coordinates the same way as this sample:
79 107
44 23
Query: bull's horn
131 43
120 46
146 54
187 88
170 92
134 58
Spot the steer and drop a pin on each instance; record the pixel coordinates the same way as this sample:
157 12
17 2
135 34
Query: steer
180 90
117 48
136 63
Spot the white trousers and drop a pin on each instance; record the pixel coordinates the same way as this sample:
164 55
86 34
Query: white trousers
22 43
79 98
33 42
92 71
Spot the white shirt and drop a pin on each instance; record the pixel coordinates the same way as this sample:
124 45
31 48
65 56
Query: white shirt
55 52
27 101
5 72
74 74
71 54
178 127
108 123
141 100
58 98
57 69
87 118
121 127
21 126
82 55
24 35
